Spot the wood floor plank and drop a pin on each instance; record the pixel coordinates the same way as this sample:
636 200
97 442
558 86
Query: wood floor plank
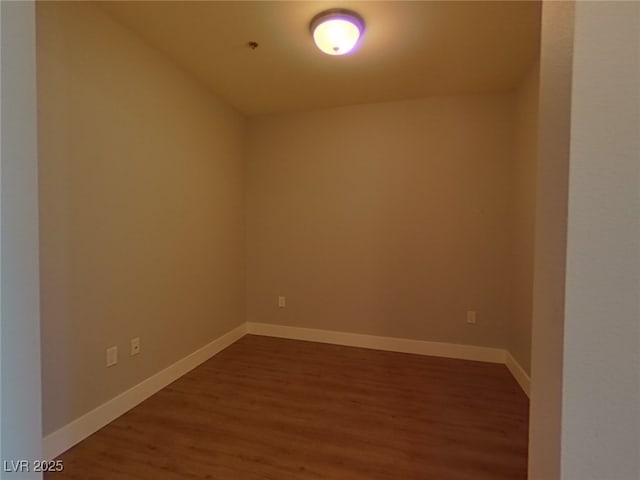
268 408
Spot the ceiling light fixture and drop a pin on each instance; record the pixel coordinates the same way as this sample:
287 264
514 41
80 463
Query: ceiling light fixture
336 31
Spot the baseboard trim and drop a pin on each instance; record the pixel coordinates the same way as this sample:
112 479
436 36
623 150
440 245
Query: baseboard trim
66 437
61 440
392 344
518 373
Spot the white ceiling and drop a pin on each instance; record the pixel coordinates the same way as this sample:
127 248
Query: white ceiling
410 49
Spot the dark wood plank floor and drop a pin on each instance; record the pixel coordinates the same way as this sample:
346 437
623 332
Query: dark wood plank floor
268 408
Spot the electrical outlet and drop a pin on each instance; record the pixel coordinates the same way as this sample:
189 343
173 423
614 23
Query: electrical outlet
471 316
112 356
282 302
135 346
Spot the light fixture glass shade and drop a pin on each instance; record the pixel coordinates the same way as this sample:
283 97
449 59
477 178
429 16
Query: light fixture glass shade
337 31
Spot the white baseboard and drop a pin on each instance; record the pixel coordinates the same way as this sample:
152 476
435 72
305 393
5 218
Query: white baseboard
392 344
66 437
61 440
518 373
404 345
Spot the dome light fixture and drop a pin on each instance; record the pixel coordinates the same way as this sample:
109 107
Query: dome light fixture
336 31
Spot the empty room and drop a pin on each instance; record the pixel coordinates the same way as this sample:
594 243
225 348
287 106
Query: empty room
322 240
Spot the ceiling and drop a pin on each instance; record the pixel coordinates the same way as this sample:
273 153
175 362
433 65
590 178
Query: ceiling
410 49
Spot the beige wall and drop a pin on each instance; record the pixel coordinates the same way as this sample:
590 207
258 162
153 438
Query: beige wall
601 370
524 198
550 240
390 219
141 196
585 404
20 425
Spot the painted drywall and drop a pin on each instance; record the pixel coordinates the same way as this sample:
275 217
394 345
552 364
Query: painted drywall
388 219
141 196
601 387
554 116
524 208
1 109
21 426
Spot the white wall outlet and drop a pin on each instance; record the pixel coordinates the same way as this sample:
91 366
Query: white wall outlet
282 302
112 356
135 346
471 316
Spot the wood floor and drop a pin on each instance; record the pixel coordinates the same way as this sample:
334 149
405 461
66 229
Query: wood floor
268 408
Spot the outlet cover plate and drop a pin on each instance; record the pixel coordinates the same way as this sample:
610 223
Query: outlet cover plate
112 356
